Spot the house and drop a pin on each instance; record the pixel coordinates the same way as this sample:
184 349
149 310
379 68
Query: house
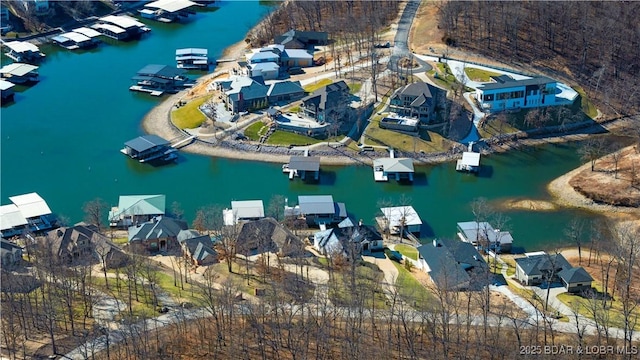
268 70
84 243
396 168
507 93
20 73
296 58
192 58
161 78
318 210
148 148
197 248
327 104
10 254
415 100
134 209
22 51
296 39
158 234
243 211
348 239
306 167
485 237
40 7
576 279
29 212
284 92
396 218
5 24
6 90
453 265
167 10
243 93
268 235
535 269
266 56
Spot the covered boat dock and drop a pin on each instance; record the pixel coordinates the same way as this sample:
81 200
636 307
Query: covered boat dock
19 73
168 10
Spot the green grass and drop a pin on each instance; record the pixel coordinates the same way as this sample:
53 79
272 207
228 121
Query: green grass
587 106
294 109
495 126
400 141
476 74
189 116
368 288
280 137
410 289
317 85
121 241
408 251
354 88
252 131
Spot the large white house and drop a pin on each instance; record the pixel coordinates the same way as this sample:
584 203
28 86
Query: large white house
508 93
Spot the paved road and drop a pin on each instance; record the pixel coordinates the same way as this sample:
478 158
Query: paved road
401 41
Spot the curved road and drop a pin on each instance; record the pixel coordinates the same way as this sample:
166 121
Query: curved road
401 41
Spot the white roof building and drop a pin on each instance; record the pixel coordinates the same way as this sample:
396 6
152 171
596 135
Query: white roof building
31 205
88 32
10 216
122 21
243 210
396 216
171 5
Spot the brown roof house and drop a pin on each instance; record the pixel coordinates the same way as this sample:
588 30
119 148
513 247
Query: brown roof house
197 248
158 234
268 235
84 244
416 100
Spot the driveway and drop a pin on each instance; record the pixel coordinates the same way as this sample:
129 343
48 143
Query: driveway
401 41
388 269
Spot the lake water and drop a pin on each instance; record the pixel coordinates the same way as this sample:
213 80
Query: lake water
61 138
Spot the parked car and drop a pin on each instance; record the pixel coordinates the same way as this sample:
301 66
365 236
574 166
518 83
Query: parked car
296 70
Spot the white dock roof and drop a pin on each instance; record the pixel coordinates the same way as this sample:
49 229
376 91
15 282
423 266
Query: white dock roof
87 32
192 51
31 205
395 165
470 158
10 216
248 209
114 29
76 37
21 46
122 21
6 85
395 214
18 69
171 5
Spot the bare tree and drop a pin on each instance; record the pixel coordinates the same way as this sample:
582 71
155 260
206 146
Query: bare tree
95 212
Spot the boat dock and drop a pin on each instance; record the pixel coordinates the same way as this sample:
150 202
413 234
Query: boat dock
145 90
470 161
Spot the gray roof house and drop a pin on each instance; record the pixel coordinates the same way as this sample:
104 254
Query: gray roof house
484 236
327 104
244 94
538 268
268 235
158 234
575 279
296 39
84 243
415 100
453 264
284 92
348 239
10 254
198 248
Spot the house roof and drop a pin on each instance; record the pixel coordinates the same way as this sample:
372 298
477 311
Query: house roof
171 5
265 66
473 231
296 54
395 214
146 142
452 263
8 247
163 71
268 235
329 96
285 87
87 32
248 87
63 240
263 55
399 165
316 204
248 209
538 80
304 163
158 228
200 247
10 216
340 236
18 69
575 275
139 205
537 264
31 205
302 36
416 89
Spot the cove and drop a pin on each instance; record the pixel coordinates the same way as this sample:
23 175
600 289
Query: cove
61 138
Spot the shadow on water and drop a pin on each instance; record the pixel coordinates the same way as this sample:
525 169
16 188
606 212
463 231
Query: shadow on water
426 231
486 171
420 179
327 177
517 249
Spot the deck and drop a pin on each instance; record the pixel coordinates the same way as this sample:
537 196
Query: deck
145 90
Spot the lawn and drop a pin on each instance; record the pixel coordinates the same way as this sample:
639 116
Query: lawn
404 142
410 289
317 85
189 116
354 88
408 251
587 106
367 289
121 241
252 131
480 75
280 137
496 126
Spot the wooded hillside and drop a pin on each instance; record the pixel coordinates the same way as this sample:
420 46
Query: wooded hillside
595 43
